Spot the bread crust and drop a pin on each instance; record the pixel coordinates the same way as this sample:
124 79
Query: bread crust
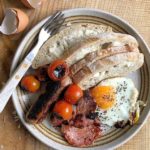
100 54
113 66
55 46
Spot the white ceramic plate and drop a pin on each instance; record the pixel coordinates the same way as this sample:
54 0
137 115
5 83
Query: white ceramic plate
115 137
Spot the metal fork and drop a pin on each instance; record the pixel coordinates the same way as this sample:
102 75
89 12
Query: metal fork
49 28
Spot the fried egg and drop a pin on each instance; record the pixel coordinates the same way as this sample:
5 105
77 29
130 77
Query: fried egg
116 105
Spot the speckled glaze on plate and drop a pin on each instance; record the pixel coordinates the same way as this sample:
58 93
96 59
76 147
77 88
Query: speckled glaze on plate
114 138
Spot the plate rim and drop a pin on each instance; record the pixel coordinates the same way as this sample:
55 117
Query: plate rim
79 11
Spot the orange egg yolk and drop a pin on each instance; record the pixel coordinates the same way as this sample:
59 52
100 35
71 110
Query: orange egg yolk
104 96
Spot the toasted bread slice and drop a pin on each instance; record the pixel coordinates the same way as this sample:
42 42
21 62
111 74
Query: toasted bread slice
78 51
102 53
106 41
116 65
60 43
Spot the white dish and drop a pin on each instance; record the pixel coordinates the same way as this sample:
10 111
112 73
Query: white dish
115 138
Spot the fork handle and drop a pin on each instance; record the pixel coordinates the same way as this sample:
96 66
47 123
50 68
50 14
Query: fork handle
11 84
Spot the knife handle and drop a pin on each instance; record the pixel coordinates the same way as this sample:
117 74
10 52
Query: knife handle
11 84
14 80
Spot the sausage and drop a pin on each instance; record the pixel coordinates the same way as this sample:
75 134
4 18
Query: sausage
41 74
56 120
39 110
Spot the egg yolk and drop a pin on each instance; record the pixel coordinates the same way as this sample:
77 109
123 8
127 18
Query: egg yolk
104 96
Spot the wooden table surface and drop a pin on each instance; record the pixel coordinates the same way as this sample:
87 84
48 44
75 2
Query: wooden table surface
13 136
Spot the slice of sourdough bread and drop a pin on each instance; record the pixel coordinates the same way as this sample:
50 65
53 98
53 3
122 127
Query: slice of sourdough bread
102 53
79 50
106 40
60 43
116 65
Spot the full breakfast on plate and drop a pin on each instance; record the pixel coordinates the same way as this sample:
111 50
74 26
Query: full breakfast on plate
83 70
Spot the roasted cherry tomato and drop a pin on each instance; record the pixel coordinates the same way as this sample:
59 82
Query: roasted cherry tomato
64 109
58 70
73 94
30 83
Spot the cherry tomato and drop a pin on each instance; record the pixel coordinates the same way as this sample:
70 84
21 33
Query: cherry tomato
58 70
30 83
64 109
73 94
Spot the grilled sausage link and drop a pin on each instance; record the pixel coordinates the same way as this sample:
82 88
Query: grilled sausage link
39 110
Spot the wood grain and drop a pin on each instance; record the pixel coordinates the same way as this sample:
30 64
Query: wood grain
13 136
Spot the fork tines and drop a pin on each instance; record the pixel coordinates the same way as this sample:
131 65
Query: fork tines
54 22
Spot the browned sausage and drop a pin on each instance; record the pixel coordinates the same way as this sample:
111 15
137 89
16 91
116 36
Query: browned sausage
39 110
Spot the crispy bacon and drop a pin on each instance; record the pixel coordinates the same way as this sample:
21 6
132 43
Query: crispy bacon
86 104
80 137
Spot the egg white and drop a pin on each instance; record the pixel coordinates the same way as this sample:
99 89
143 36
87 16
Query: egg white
126 97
